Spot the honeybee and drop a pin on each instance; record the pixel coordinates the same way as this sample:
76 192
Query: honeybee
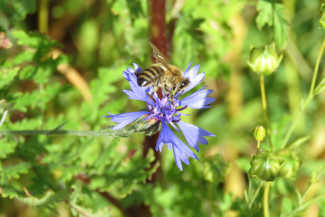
162 75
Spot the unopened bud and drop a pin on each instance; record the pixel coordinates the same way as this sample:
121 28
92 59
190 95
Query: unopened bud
264 165
259 133
265 60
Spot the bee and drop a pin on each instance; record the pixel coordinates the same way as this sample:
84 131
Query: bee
162 75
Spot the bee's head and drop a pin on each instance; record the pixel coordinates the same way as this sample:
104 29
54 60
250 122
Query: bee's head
182 85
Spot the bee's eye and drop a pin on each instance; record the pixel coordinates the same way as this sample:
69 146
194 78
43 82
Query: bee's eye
183 84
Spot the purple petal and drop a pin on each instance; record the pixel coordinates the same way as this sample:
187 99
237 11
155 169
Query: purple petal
194 81
128 75
125 118
136 92
194 134
193 71
136 95
137 68
187 70
181 150
198 100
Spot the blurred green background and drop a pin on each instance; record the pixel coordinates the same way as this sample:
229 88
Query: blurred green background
63 61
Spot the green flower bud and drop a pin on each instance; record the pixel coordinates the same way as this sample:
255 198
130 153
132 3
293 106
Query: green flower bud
259 133
264 165
265 60
322 16
289 163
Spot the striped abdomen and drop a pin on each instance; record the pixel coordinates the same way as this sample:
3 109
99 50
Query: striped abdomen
150 76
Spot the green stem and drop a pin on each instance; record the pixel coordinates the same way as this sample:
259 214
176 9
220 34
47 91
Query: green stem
255 195
125 132
99 133
310 96
264 105
313 82
43 15
266 195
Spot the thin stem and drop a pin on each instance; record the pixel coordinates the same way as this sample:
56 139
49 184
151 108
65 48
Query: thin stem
264 105
43 15
266 195
65 132
77 210
310 96
257 191
99 133
313 82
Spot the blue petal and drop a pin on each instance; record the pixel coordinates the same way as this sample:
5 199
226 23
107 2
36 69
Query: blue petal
193 71
187 69
194 81
137 95
181 150
125 118
194 134
198 100
137 68
136 92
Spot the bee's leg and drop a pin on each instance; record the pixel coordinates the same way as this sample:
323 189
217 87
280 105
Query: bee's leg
167 90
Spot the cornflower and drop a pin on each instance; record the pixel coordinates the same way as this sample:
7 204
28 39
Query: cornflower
167 110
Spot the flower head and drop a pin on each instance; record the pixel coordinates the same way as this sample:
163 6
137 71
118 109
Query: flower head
167 110
264 61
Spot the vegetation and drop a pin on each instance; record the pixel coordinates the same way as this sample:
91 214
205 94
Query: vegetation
61 71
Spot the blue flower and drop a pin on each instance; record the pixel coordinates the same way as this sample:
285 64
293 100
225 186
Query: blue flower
167 109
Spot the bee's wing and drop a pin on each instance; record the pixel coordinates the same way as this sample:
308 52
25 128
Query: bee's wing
159 57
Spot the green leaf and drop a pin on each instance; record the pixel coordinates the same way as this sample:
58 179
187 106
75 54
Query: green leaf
7 146
14 171
27 72
7 76
8 191
17 10
49 198
280 26
265 14
273 14
299 142
287 205
25 39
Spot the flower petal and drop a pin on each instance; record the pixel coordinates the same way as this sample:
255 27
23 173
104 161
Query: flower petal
194 81
136 92
125 118
194 134
181 150
198 100
187 69
192 72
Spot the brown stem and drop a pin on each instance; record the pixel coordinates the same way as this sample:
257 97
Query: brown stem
158 36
